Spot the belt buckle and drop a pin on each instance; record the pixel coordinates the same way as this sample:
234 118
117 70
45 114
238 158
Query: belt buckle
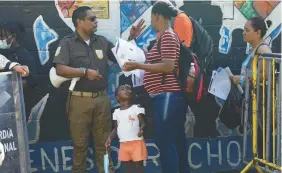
94 95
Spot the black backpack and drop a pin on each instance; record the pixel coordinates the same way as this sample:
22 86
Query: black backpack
202 43
182 72
231 111
200 54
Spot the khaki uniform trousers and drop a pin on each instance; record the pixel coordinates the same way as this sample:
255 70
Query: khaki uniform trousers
89 113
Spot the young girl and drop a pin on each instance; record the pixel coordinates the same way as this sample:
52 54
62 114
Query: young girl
129 125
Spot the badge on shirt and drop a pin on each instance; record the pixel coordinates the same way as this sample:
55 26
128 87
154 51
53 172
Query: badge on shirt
58 51
99 54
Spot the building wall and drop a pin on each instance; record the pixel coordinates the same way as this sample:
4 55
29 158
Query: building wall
47 22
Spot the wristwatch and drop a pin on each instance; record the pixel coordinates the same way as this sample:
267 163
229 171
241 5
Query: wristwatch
84 70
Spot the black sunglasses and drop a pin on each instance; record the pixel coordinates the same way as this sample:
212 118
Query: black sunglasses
92 18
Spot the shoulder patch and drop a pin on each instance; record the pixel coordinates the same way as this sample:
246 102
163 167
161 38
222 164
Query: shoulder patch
58 51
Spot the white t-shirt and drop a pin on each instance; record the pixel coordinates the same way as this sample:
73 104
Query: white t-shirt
128 123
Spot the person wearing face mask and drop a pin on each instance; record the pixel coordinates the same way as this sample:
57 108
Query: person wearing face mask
10 34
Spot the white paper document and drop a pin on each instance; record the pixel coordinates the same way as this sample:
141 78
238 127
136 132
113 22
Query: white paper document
120 62
231 74
125 51
130 51
220 84
138 80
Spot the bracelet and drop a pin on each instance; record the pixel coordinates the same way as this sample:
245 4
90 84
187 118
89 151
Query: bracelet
242 80
84 70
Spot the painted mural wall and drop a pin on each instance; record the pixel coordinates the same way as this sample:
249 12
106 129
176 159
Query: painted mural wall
49 21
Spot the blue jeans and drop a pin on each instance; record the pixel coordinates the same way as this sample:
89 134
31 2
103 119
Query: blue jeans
169 118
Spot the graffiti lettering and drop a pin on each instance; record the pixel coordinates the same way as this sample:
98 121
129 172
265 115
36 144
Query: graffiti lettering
32 161
219 155
44 156
65 158
190 155
231 151
60 158
239 153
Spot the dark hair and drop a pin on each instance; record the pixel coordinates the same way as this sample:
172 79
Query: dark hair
259 24
13 27
165 9
79 13
117 89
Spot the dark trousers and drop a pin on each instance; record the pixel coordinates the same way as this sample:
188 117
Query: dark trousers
88 115
169 118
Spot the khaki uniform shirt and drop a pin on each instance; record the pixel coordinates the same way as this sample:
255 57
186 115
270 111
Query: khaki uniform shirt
73 51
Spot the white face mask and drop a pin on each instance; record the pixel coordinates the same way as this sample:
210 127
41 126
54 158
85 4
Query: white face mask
4 44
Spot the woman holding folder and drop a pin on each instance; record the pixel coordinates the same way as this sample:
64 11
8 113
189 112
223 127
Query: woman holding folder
169 103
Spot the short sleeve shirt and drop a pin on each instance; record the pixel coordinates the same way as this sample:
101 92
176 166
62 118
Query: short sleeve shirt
128 123
73 51
169 50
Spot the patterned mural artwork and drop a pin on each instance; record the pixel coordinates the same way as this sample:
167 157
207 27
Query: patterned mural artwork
217 150
235 15
100 7
102 10
33 123
131 11
43 36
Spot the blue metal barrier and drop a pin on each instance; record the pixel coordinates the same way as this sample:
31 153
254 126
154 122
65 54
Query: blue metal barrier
13 133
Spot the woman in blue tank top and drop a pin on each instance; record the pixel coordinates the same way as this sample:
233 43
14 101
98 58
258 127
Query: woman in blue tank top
254 31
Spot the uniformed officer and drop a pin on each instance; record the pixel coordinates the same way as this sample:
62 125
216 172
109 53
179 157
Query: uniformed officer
84 54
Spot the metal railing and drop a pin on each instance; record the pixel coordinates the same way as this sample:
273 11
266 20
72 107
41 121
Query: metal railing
266 85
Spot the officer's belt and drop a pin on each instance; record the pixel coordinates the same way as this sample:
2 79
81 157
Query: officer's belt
88 94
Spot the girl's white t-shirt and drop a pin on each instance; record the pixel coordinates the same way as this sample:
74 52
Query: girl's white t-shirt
128 123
